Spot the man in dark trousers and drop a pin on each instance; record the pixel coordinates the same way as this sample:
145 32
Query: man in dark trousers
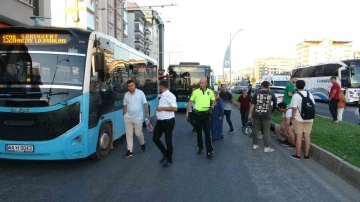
334 97
262 109
205 101
226 97
244 101
165 123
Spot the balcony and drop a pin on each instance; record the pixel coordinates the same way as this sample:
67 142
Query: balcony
139 21
138 33
139 44
147 31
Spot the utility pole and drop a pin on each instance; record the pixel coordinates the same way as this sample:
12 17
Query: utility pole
230 57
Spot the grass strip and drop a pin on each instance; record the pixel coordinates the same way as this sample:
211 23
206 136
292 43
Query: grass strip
341 139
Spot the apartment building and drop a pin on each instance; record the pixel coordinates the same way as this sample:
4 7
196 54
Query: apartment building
145 32
107 16
18 12
272 65
314 51
356 55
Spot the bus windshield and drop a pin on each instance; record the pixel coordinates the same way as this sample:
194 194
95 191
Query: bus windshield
26 68
185 78
355 77
30 72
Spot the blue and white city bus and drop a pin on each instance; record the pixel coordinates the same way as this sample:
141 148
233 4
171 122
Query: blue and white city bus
185 77
317 78
62 90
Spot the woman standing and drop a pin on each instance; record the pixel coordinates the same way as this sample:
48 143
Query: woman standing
341 105
217 116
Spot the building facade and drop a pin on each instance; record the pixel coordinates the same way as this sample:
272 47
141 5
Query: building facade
146 32
18 12
107 16
272 65
356 55
315 51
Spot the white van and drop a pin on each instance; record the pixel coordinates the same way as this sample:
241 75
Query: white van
276 80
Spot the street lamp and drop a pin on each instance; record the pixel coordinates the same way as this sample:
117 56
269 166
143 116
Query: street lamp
229 49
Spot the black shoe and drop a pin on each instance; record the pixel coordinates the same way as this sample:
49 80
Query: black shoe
296 157
210 155
167 164
128 154
163 159
143 147
200 151
306 157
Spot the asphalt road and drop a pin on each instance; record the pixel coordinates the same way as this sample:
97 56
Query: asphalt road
237 173
322 109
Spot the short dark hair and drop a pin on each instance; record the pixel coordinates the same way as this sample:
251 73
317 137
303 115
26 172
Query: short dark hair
293 76
164 84
265 84
333 77
282 105
300 84
130 81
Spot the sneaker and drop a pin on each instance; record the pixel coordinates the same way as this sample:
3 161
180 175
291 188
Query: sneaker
167 164
268 149
286 144
296 157
200 151
306 157
255 147
210 155
128 154
291 147
231 131
143 147
163 159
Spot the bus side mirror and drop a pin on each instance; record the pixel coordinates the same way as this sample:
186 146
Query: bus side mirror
99 61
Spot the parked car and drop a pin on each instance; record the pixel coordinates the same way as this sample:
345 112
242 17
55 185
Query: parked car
278 91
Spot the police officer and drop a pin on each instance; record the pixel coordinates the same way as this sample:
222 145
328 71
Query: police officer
205 101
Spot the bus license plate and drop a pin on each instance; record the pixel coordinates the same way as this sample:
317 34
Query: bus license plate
19 148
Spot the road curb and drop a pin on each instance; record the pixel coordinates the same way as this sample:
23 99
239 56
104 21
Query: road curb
346 171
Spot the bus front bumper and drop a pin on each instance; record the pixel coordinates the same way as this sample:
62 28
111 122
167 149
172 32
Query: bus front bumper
67 146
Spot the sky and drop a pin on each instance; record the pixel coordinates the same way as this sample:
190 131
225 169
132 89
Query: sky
200 29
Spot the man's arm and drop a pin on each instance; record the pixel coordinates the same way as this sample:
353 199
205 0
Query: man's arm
231 98
274 99
251 110
124 110
290 90
168 109
125 105
147 108
189 106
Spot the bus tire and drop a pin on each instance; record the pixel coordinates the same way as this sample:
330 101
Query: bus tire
104 142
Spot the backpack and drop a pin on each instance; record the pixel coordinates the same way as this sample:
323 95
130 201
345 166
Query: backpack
307 107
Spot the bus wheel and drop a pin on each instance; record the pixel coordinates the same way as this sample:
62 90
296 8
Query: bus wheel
104 142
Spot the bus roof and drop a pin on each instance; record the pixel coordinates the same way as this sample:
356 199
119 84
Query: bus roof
340 62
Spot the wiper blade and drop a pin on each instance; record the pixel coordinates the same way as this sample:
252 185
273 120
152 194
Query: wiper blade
50 96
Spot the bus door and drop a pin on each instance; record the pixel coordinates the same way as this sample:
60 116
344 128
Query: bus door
345 80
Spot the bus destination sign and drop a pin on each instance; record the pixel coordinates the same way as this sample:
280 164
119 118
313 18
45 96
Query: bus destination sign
34 39
189 69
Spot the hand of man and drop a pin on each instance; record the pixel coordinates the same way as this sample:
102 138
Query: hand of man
250 116
147 116
159 109
220 118
187 116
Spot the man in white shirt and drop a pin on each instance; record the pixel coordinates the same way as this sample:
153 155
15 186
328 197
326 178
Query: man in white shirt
165 123
302 127
134 101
